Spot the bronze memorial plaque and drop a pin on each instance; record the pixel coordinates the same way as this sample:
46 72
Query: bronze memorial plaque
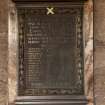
50 50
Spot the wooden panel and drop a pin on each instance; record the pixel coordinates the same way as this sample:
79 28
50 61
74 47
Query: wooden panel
51 100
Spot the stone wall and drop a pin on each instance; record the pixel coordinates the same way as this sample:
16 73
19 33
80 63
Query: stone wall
99 51
3 52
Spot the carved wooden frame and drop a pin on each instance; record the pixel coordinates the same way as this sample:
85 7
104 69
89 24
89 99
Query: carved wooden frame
72 99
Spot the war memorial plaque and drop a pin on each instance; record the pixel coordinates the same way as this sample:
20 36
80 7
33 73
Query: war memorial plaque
50 51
